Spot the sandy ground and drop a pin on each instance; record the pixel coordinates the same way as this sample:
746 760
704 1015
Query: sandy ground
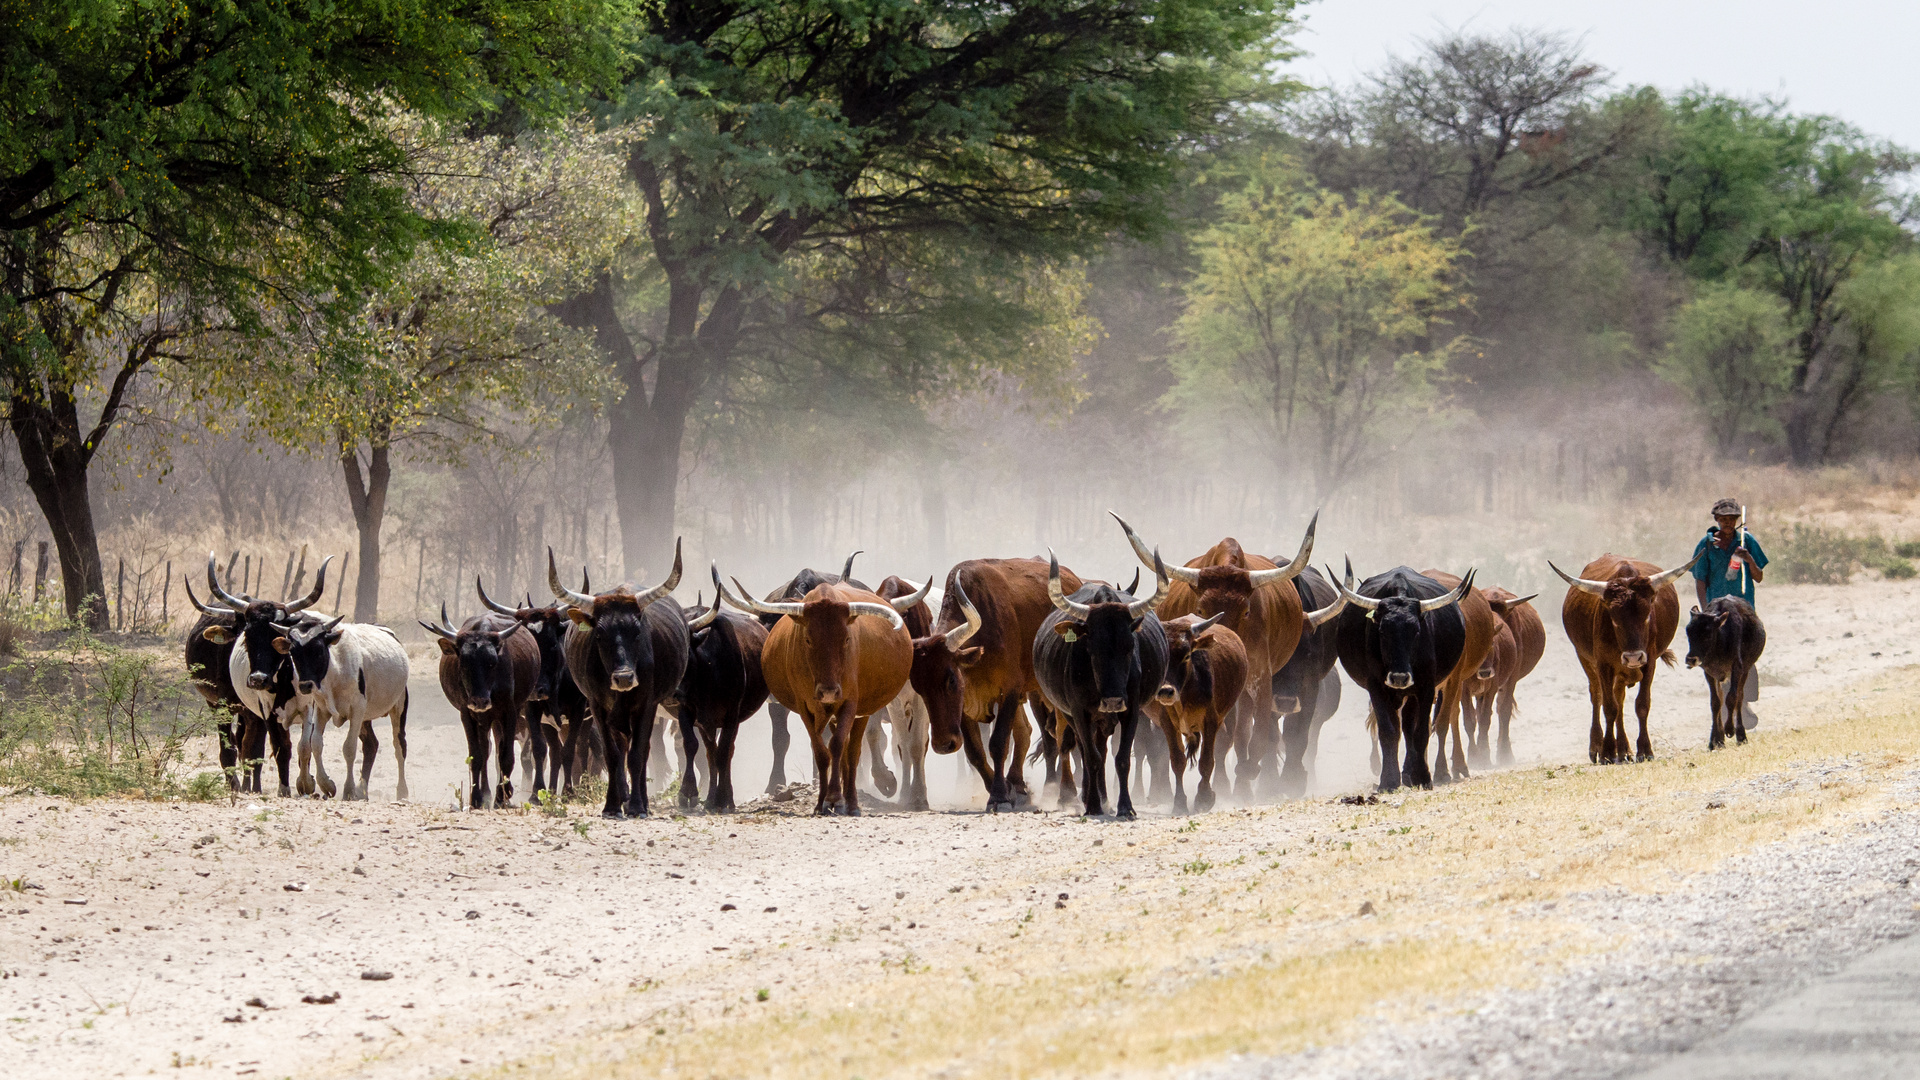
147 936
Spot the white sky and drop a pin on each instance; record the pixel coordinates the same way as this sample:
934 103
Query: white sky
1854 59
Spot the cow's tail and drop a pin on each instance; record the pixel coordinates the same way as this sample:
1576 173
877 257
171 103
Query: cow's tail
1667 657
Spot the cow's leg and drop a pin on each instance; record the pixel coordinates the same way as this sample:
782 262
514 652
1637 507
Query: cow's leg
1596 738
1386 726
1296 732
535 749
913 752
476 732
1441 773
1209 743
1158 758
571 760
614 739
283 753
1123 762
856 728
254 733
720 783
875 737
313 744
1092 769
1479 726
349 749
504 725
228 727
1177 763
659 758
1049 746
1642 705
976 755
690 739
777 779
1507 706
999 794
369 750
1737 697
639 753
1264 744
1612 696
1417 730
1716 722
1017 768
397 721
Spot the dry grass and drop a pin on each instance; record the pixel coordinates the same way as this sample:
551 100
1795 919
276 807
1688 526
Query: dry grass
1240 932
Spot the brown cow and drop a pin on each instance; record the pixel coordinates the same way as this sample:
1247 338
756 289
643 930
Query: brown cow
1475 662
1268 619
840 655
1620 614
1529 641
976 666
1206 672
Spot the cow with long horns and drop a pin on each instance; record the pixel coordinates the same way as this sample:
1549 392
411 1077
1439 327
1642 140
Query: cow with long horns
974 667
723 685
556 710
254 637
243 735
1250 591
1098 658
1621 615
627 651
837 656
1399 638
489 668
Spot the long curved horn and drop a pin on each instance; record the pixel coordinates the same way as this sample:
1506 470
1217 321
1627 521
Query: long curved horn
446 622
706 617
213 585
1292 569
885 611
561 592
1665 576
1518 600
1322 616
319 630
1452 597
905 604
1365 603
667 586
846 568
1186 575
319 586
1141 607
1060 601
436 631
960 635
197 605
497 609
746 602
1597 588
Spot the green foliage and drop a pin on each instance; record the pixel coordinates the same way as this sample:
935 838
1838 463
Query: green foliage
1907 549
1898 569
1306 321
1732 355
1813 555
87 718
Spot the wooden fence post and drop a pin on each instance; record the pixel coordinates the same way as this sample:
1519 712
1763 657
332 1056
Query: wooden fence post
120 594
166 590
420 576
13 578
339 593
299 574
40 572
246 576
286 577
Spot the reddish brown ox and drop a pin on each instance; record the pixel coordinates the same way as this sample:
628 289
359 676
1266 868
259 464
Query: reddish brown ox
1269 620
976 665
840 655
1522 626
1620 614
1475 662
1206 672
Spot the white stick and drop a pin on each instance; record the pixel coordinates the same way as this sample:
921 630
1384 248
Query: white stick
1743 544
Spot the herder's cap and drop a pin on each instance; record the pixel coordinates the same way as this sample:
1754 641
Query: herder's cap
1726 508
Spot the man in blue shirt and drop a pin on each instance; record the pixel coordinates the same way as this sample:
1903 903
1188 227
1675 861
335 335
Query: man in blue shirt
1719 574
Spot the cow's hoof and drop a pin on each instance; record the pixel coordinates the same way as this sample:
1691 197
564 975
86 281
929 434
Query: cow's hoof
1180 807
285 793
1203 802
1126 814
1506 759
613 815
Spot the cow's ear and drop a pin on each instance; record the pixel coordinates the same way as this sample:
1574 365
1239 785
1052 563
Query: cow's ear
1068 629
219 635
581 617
1137 622
1696 609
282 645
445 646
970 655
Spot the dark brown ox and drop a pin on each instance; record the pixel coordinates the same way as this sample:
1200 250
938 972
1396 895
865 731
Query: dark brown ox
1248 590
1475 663
976 666
1620 614
840 655
1521 626
1206 671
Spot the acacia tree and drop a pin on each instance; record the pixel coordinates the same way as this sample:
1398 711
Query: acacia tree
782 127
454 346
1305 323
149 149
1732 354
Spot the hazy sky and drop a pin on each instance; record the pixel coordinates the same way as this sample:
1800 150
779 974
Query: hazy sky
1848 58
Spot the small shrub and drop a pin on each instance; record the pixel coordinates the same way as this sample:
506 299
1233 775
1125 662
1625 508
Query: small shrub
1811 555
1907 549
1897 569
205 787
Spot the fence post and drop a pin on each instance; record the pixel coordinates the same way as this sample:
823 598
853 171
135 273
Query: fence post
40 572
286 577
299 574
120 594
166 590
246 576
420 576
340 592
13 579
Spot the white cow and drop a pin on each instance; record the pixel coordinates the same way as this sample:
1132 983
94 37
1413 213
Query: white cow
348 675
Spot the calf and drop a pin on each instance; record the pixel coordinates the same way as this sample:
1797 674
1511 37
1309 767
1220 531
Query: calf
723 685
627 651
1206 670
1725 642
489 668
1098 658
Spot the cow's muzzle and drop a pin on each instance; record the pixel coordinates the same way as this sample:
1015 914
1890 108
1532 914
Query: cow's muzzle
1399 680
624 679
1167 694
828 695
307 686
1692 662
1286 703
1113 705
1635 659
257 681
1486 672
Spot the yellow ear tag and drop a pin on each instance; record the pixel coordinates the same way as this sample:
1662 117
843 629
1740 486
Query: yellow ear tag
1371 613
1070 637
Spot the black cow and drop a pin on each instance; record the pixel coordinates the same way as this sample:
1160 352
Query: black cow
1303 679
242 734
1099 657
1725 641
556 710
1400 637
627 651
797 588
488 668
723 685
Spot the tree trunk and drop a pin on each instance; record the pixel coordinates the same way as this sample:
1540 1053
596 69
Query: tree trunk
55 455
368 496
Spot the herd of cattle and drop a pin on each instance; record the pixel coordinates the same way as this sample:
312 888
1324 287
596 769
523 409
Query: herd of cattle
1231 651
